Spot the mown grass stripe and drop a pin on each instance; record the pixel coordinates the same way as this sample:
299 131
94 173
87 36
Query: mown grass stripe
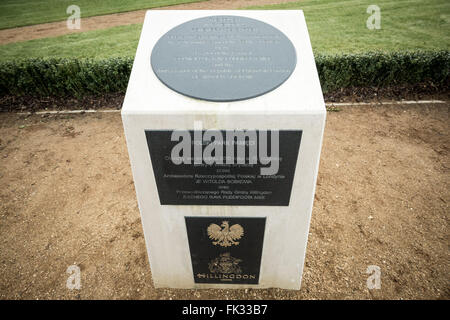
18 13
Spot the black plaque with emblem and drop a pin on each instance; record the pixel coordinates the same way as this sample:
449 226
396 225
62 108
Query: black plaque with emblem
225 250
223 184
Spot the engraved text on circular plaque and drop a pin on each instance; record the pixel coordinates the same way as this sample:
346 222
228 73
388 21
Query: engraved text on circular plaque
223 58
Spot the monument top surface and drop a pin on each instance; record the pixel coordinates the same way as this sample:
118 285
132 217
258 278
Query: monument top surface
291 85
223 58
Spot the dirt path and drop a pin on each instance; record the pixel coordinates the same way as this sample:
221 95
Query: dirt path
54 29
382 199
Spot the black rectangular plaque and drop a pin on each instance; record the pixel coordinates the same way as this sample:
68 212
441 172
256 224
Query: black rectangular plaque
225 250
222 184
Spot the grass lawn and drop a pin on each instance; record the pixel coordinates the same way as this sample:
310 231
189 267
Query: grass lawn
111 42
340 26
334 26
15 13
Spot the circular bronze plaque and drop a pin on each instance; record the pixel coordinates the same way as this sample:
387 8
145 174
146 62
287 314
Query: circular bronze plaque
223 58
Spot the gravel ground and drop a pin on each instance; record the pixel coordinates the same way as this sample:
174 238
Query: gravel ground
382 198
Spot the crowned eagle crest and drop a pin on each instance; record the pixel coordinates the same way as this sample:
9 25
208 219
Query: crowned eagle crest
225 263
224 235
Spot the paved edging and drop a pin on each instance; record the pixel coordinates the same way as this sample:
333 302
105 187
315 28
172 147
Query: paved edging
328 104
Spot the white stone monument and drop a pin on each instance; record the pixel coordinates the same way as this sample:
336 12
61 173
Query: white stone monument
204 76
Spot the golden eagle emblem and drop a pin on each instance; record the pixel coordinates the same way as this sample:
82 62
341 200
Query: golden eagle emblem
225 235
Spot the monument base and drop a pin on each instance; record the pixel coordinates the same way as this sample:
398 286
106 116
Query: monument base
187 209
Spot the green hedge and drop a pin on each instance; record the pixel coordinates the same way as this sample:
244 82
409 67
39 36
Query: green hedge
72 77
64 77
376 69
